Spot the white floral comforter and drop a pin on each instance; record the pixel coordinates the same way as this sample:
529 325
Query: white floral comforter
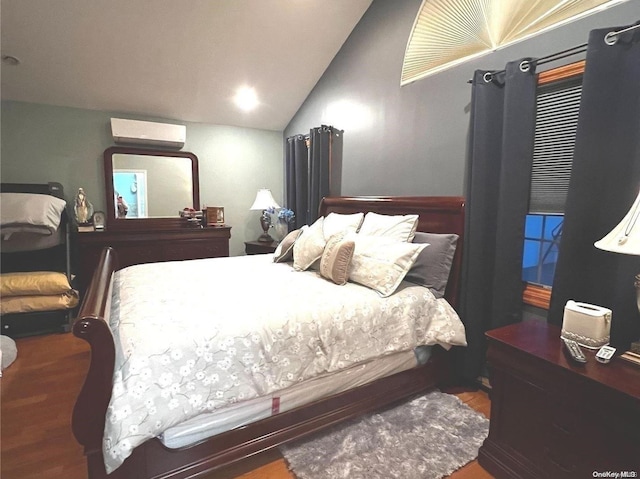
193 336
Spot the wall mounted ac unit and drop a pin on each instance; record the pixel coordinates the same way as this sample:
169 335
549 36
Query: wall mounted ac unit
135 132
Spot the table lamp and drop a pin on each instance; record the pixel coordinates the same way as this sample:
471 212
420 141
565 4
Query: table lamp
264 200
625 238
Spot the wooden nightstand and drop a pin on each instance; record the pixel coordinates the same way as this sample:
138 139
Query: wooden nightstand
260 247
551 417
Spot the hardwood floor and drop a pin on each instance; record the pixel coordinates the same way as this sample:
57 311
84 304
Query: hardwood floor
37 394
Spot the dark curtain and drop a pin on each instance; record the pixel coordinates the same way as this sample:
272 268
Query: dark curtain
296 174
605 179
312 172
325 159
497 188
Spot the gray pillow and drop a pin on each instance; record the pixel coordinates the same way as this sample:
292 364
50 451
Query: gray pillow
433 265
284 251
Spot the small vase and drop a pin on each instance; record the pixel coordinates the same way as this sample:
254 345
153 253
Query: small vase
281 229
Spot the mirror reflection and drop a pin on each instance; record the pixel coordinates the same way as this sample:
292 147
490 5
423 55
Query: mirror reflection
150 186
146 184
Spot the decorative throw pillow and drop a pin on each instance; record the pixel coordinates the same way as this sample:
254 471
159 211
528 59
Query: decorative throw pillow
49 302
397 227
336 259
381 263
284 251
433 265
33 283
335 223
309 246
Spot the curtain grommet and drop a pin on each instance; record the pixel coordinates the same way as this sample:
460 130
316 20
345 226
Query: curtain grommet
611 38
487 77
525 66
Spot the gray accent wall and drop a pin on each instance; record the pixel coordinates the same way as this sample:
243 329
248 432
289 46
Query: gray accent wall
42 143
412 140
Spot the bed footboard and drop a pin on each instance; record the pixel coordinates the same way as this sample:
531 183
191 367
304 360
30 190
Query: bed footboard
152 460
91 325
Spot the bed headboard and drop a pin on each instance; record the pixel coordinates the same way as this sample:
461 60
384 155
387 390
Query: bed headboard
436 214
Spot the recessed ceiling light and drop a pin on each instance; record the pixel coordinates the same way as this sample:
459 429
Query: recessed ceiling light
246 98
10 60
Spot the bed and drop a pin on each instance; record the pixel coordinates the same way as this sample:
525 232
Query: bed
95 415
37 295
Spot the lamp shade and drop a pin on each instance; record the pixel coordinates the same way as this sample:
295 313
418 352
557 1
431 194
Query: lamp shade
264 200
625 237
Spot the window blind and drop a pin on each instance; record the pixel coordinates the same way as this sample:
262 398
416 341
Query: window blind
447 33
554 140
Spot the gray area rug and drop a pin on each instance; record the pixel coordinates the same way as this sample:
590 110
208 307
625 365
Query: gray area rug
429 437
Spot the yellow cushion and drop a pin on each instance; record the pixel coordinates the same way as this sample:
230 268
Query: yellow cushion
33 283
25 304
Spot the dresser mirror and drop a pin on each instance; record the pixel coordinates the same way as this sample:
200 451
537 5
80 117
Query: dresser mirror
148 188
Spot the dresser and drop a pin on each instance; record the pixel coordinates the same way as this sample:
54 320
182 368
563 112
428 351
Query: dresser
150 246
553 418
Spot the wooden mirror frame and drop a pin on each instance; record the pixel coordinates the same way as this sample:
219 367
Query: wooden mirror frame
145 223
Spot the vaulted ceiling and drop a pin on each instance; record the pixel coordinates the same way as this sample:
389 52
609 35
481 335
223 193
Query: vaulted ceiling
181 60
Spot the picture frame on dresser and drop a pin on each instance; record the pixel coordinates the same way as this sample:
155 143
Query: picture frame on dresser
99 220
215 216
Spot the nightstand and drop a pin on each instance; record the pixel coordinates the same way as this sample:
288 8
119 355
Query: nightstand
552 417
260 247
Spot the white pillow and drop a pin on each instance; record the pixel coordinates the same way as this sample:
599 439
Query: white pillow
32 209
335 223
381 263
309 246
398 227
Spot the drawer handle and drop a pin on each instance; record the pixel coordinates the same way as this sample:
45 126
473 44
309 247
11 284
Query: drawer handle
557 464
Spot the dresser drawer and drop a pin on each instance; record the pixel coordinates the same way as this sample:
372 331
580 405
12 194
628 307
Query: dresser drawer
190 249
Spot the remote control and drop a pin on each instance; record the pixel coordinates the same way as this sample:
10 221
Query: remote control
574 350
605 354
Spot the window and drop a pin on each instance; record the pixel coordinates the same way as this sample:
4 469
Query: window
541 240
558 102
447 33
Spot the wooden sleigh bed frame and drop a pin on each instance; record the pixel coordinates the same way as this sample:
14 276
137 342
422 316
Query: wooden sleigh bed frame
153 460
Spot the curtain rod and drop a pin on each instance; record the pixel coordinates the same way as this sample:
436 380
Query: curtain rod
610 38
526 64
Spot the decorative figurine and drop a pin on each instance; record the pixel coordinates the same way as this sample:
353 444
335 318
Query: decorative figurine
83 208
